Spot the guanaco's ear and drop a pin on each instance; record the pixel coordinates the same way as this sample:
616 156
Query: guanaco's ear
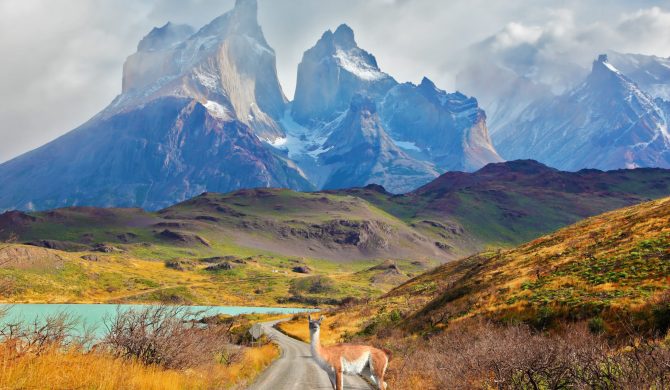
309 317
321 319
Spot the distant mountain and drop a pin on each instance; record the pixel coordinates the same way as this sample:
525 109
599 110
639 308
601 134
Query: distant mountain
650 73
204 111
446 129
501 92
331 73
607 122
426 129
191 117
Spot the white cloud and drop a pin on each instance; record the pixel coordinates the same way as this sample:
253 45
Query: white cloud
515 34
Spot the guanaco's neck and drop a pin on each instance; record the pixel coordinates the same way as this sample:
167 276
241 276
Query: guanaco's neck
315 342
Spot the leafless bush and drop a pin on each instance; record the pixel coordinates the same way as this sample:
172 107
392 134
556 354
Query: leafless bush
169 337
61 331
516 357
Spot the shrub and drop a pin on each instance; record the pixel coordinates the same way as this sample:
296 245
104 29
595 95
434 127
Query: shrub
597 325
167 336
661 313
45 334
485 356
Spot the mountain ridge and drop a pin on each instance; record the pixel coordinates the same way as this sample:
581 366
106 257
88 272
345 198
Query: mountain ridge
607 122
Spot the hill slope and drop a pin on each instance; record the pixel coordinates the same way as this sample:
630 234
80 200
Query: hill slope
454 216
613 267
513 202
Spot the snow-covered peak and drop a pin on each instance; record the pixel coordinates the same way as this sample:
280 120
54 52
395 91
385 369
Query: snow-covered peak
602 63
341 45
331 73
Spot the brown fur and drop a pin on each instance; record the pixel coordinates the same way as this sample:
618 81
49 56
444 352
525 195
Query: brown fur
333 356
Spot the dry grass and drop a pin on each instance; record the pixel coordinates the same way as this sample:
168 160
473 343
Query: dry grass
335 327
77 370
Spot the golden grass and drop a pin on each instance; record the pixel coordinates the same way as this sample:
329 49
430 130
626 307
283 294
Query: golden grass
77 370
333 327
126 278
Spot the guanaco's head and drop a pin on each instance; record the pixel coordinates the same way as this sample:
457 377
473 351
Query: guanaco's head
314 324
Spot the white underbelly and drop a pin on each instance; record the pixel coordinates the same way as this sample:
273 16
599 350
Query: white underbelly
355 366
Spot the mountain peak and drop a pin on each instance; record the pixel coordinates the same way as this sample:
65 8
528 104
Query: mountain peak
602 64
427 83
344 36
247 7
242 19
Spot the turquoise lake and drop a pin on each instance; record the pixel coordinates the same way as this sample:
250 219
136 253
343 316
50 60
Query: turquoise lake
92 316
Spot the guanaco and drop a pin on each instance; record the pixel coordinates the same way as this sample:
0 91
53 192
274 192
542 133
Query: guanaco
347 359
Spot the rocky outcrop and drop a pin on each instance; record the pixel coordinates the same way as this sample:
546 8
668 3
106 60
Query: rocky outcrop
29 257
182 238
331 73
227 65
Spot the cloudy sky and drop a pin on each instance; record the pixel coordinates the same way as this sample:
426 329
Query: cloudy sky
62 60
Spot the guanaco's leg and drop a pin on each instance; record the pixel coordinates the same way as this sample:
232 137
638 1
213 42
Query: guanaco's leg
378 368
340 384
333 379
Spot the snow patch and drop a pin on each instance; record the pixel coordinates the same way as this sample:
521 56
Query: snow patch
611 67
208 80
277 142
407 145
217 110
358 67
300 141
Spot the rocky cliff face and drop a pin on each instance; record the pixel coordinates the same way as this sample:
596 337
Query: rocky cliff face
607 122
359 152
331 73
447 129
227 65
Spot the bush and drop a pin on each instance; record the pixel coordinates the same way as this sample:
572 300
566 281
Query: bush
167 336
661 313
484 356
316 284
597 325
58 331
